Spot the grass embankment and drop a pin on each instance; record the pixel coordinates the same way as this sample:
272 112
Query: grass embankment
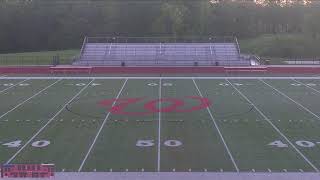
38 58
279 47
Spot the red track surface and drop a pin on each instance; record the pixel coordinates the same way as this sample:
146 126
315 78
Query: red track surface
135 70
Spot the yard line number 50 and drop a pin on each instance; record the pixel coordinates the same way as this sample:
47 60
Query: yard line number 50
150 143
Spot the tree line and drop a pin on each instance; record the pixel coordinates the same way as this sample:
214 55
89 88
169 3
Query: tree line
53 25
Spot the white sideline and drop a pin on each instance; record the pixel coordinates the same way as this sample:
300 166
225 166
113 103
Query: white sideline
29 98
283 94
100 129
43 127
13 86
158 77
275 127
217 127
159 129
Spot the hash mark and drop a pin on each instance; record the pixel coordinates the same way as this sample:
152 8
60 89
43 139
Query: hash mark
110 170
300 170
63 170
269 170
221 170
95 170
142 170
205 170
127 170
253 170
174 170
189 169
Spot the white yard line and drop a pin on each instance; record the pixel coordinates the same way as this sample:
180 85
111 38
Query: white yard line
159 129
13 86
297 103
52 118
158 77
217 128
29 98
100 129
275 128
306 85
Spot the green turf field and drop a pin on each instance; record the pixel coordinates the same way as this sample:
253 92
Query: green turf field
246 124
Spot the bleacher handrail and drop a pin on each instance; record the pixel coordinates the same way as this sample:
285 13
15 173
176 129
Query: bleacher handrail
238 47
162 39
85 40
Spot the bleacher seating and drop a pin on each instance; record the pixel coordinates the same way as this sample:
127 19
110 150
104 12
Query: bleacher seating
160 54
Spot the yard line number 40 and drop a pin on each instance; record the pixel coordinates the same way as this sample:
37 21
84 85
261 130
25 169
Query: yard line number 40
17 143
301 143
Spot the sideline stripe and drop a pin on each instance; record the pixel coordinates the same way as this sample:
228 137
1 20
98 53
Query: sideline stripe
283 94
101 127
159 129
29 98
158 77
276 128
52 118
13 86
217 127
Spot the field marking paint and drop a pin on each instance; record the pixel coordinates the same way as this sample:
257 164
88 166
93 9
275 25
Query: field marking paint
100 129
52 118
217 127
12 86
159 129
39 92
155 77
306 85
275 128
297 103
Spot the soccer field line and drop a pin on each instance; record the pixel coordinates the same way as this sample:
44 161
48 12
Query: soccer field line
13 86
50 120
159 129
297 103
275 128
100 129
218 130
163 77
39 92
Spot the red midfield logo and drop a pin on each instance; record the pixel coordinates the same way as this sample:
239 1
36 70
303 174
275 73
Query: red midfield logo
119 106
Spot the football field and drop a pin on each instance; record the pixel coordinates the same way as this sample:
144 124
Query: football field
162 124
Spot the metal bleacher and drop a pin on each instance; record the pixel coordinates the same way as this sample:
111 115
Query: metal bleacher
159 52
